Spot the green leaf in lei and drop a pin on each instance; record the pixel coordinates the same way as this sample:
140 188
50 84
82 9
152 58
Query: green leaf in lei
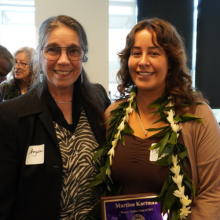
182 155
173 138
124 104
103 172
162 133
157 129
160 100
175 212
168 149
135 106
161 109
162 162
154 106
96 181
189 117
177 118
127 129
170 198
101 152
122 140
162 143
166 186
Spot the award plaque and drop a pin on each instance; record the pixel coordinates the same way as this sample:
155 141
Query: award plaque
131 207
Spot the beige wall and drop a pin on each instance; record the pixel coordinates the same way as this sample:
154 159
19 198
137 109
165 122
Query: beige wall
93 15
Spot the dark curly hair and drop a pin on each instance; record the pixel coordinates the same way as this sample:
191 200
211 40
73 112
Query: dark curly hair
178 79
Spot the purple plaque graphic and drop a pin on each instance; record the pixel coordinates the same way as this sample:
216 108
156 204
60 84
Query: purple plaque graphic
138 207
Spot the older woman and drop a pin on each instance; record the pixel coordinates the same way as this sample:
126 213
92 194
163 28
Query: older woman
158 153
47 135
22 75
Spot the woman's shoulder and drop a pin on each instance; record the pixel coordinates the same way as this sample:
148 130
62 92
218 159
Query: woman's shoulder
4 83
113 106
201 109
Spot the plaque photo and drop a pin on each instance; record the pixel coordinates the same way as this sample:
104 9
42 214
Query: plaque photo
131 207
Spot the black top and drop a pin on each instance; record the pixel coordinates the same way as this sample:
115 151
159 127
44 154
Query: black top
57 114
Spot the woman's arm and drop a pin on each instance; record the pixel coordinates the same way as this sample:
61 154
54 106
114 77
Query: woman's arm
9 167
205 143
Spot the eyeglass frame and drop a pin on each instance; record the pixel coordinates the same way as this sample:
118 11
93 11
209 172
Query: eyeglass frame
60 53
23 65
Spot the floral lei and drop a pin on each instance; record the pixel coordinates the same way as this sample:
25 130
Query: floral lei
178 186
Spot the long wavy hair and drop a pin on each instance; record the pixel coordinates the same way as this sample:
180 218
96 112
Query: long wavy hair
88 90
178 79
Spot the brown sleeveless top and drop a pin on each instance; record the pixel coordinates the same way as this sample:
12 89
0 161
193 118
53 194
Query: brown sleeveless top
132 168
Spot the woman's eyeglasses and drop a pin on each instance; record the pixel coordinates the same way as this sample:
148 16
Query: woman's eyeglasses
21 64
53 53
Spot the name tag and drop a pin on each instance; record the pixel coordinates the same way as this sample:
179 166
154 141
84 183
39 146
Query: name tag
154 153
35 155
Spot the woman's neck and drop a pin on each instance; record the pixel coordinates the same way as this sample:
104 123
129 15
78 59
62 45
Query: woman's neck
145 98
24 82
62 93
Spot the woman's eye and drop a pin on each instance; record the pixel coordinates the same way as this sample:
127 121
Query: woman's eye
136 53
52 50
74 51
154 53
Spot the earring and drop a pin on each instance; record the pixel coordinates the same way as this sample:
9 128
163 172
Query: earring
41 77
82 78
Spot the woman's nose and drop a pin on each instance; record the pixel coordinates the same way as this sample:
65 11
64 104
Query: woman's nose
63 59
16 66
143 60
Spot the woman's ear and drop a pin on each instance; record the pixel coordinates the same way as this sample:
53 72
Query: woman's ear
85 58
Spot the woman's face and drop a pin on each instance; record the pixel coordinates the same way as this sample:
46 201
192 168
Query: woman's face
62 73
148 64
22 69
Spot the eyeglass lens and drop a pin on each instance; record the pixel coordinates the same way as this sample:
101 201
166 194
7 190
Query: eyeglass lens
53 53
20 64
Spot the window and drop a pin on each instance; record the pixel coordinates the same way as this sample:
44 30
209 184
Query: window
122 18
17 24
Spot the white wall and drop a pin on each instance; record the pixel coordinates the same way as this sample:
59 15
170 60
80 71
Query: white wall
93 15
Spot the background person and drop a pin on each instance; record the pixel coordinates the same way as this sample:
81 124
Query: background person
6 62
47 135
154 62
22 75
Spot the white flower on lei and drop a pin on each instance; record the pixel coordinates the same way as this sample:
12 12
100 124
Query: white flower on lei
179 193
114 143
178 180
111 153
129 110
175 127
175 160
184 212
185 201
175 170
126 118
121 127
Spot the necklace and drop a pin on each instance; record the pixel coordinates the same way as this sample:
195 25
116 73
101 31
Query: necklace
145 131
23 91
62 102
